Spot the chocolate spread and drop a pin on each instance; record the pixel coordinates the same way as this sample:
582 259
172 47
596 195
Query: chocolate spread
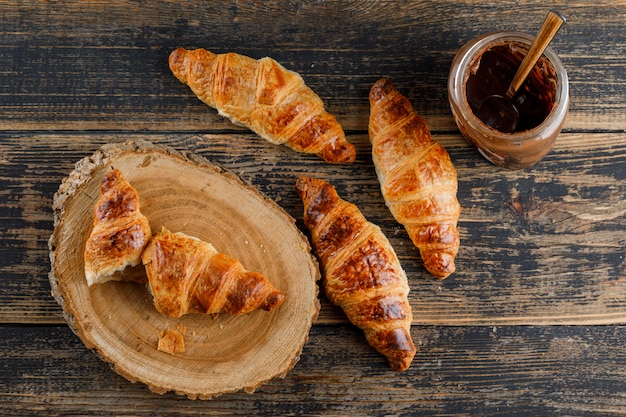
492 73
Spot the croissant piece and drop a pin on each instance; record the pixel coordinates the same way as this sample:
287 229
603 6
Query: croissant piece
187 275
417 178
362 273
120 231
172 341
265 97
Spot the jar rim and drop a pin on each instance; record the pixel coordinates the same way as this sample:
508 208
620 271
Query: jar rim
459 73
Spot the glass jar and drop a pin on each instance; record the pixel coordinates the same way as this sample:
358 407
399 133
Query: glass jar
547 83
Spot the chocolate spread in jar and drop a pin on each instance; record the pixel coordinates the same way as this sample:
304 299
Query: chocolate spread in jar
493 71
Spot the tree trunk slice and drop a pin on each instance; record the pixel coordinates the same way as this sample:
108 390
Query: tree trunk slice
118 320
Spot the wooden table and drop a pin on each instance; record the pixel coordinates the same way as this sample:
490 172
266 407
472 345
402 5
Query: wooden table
530 324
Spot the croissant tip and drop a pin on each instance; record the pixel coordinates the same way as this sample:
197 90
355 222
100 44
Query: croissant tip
441 273
337 148
400 360
395 344
442 276
383 82
380 89
310 186
304 182
400 365
346 157
177 55
301 184
176 62
272 301
442 267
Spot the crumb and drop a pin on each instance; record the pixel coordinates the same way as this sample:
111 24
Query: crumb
172 341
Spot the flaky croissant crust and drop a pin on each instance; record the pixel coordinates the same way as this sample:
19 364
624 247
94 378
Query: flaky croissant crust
362 273
418 181
120 231
265 97
188 275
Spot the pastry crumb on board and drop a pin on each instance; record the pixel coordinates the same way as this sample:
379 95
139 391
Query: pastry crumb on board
172 341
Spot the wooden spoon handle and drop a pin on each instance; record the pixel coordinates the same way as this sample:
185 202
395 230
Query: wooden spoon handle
551 25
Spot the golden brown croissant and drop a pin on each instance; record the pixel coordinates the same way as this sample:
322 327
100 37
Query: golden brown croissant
120 231
417 178
188 275
265 97
362 273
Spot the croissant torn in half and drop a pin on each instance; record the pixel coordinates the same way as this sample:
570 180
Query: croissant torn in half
265 97
188 275
120 232
417 178
362 273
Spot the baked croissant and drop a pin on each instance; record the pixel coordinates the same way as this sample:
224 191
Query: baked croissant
186 275
120 231
265 97
417 178
362 273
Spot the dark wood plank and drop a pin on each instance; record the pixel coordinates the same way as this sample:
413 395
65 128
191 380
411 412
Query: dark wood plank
84 65
543 245
487 371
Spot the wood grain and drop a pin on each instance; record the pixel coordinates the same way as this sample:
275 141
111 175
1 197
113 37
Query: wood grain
539 246
187 194
104 65
467 371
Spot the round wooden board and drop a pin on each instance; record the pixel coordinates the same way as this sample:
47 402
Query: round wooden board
185 193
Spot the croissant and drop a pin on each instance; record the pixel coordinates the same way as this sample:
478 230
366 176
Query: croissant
187 275
417 178
120 231
362 273
265 97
